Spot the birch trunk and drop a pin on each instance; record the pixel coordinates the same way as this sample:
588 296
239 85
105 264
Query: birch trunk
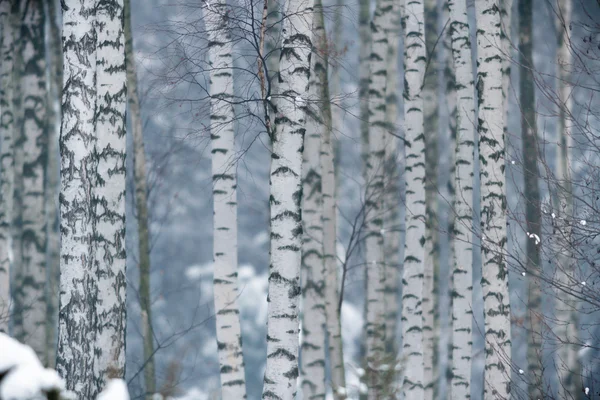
109 193
531 193
229 339
7 135
431 262
92 302
391 233
273 45
506 19
364 49
333 121
286 195
493 202
140 179
78 281
381 27
462 271
313 274
415 255
30 276
566 307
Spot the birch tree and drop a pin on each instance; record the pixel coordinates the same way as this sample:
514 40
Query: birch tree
30 275
285 200
531 193
565 305
462 269
493 201
141 198
381 27
414 256
313 274
91 341
506 19
364 37
7 134
229 340
431 261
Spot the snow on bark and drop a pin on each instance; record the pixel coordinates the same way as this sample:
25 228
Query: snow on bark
462 226
381 27
109 193
493 201
7 137
229 338
285 200
141 198
312 358
566 360
29 290
414 258
91 343
531 193
431 262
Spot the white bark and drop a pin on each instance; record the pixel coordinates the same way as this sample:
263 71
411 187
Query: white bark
462 226
141 202
381 27
7 134
313 273
229 339
493 202
286 195
414 258
30 272
364 35
566 306
92 301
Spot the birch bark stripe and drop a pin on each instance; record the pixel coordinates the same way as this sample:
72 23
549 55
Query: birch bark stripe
78 281
493 202
286 196
313 273
229 339
462 273
7 165
381 26
30 276
412 281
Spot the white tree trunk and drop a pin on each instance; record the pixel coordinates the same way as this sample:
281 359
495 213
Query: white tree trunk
431 262
313 282
7 135
493 202
110 188
462 227
381 26
141 198
414 257
566 360
30 275
286 195
229 339
364 36
92 302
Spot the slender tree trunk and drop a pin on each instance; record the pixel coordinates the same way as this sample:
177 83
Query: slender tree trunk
141 193
229 339
91 342
493 202
273 46
415 55
333 120
507 47
313 273
462 270
531 193
381 27
111 89
30 275
431 263
7 136
52 179
286 195
567 364
364 50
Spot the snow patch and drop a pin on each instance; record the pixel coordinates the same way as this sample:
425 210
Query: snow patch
116 389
